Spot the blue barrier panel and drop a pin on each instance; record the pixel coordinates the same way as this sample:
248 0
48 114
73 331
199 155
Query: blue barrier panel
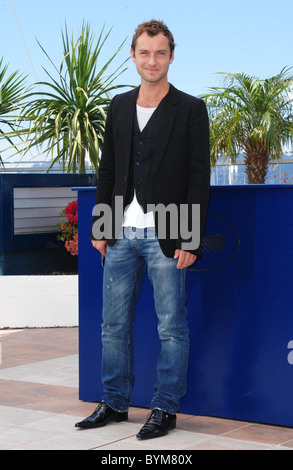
240 310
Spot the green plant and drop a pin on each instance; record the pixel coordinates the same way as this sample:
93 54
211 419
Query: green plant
67 118
251 117
13 93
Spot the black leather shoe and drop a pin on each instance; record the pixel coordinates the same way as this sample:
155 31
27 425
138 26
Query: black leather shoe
102 415
159 423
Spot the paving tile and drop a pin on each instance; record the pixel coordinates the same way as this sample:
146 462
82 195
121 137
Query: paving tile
6 332
39 406
138 415
175 440
222 443
125 444
67 441
19 435
57 371
54 405
17 399
288 445
10 417
210 425
111 432
59 423
262 433
81 409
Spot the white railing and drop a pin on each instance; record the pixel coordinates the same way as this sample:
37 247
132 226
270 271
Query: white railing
33 167
223 173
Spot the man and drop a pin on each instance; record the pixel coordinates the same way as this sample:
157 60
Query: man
155 154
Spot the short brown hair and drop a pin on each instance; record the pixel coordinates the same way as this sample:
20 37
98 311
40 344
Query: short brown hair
152 28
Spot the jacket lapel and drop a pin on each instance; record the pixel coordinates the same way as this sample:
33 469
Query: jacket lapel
169 112
126 122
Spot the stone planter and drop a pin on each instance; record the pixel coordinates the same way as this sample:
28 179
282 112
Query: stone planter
39 301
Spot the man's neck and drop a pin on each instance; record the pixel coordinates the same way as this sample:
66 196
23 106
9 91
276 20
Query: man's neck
151 94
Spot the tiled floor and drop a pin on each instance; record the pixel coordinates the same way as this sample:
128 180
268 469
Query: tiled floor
39 406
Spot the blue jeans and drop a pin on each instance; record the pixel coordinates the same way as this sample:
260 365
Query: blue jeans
125 266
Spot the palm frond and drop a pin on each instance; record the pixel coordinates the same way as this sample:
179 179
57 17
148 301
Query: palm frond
249 113
67 117
13 94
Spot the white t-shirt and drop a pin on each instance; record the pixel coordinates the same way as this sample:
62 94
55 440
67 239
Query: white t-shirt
133 214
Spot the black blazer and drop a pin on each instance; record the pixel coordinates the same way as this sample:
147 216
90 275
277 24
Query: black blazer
180 172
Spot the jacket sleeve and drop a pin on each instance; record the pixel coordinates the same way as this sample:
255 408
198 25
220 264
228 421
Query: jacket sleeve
106 173
198 172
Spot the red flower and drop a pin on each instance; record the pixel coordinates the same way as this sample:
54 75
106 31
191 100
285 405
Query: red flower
71 211
69 229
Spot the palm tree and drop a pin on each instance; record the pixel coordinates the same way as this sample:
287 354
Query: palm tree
251 117
67 117
12 95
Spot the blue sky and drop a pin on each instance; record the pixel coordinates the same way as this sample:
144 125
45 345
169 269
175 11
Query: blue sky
251 36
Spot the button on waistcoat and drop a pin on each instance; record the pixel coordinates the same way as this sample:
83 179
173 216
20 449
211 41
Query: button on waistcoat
143 147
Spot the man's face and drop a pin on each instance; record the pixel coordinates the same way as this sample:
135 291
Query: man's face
152 57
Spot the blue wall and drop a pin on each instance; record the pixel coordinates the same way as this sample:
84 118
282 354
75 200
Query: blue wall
240 311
